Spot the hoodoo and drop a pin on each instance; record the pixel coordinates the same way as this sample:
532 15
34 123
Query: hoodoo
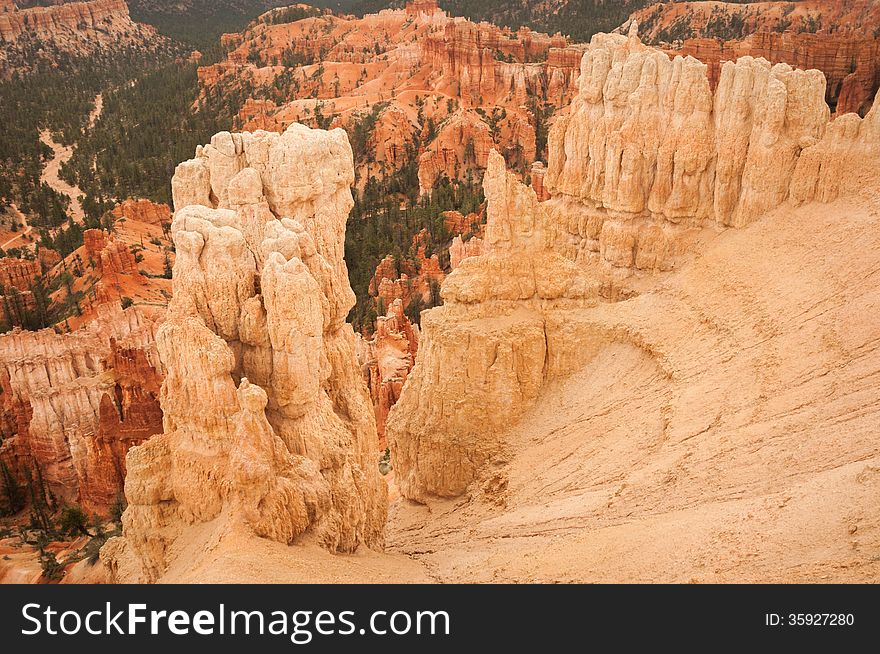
485 354
267 423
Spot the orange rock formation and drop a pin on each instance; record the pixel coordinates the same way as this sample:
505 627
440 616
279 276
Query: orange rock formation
386 360
143 211
455 88
73 404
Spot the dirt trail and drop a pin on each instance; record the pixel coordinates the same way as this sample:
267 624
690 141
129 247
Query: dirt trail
62 154
22 220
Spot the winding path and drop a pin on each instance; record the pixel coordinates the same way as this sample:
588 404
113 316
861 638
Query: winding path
62 154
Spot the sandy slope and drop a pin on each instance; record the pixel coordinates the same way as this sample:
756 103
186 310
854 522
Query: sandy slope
729 431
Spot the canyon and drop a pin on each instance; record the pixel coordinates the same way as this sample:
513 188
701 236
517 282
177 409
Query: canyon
651 359
689 399
77 397
449 88
670 395
73 404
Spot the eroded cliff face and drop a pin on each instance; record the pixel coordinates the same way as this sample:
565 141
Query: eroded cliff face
445 90
408 281
648 165
53 21
72 28
143 211
839 39
74 404
386 360
648 155
486 353
267 424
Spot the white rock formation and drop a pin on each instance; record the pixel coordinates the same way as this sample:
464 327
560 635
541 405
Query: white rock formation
267 420
648 155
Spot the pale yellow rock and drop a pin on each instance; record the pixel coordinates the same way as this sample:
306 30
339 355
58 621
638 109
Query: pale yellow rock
483 355
647 155
268 425
844 162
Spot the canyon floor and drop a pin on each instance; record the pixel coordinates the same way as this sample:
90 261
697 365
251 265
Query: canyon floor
727 432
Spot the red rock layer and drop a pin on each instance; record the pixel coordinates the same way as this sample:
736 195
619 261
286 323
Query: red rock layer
111 257
73 404
16 279
453 88
415 279
486 62
18 273
662 20
386 361
457 223
537 176
424 7
143 211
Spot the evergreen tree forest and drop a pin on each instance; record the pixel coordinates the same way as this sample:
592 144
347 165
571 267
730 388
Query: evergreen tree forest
579 19
146 129
58 100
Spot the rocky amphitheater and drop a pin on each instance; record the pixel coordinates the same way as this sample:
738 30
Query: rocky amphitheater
667 371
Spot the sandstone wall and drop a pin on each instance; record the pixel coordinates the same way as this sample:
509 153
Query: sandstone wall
646 158
850 63
648 154
386 360
485 354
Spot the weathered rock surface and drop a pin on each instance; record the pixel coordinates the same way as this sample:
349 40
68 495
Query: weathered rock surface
267 423
461 249
406 280
648 154
646 158
50 22
537 174
840 39
424 73
111 256
71 28
18 273
386 360
73 404
144 211
486 353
